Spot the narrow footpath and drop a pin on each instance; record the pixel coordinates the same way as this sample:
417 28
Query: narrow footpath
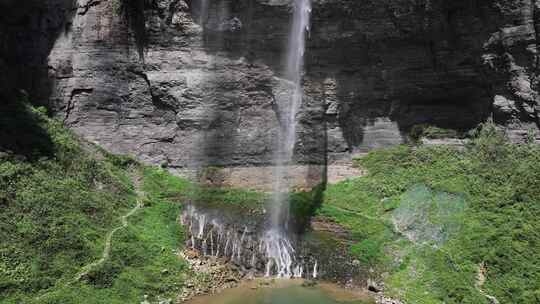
85 270
108 241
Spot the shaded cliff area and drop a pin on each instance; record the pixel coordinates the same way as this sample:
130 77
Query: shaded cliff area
28 32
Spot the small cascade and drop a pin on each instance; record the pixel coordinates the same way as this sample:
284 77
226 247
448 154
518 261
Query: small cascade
247 245
279 253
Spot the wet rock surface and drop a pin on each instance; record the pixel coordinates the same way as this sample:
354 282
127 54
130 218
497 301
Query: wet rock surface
240 240
247 242
326 244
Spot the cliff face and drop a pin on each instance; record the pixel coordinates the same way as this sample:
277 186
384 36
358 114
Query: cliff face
194 85
28 30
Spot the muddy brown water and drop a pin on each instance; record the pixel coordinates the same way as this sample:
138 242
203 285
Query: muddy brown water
285 292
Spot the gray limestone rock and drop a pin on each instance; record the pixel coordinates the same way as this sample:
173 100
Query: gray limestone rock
205 89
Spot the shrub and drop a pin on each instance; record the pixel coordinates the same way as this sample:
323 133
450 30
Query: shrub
367 251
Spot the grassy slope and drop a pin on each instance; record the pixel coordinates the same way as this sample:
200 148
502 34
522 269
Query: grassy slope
501 186
58 202
143 262
178 189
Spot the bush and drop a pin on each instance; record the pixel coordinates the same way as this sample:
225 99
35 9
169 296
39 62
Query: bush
104 275
489 143
367 251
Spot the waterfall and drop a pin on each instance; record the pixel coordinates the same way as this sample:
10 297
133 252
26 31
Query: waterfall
271 250
280 252
288 111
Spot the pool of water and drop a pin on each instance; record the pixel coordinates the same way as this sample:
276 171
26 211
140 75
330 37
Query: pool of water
285 293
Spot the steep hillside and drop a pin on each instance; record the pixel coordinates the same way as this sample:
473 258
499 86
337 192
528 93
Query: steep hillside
69 229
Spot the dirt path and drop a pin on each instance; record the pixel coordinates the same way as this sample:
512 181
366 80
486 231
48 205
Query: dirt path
108 240
480 280
85 270
357 213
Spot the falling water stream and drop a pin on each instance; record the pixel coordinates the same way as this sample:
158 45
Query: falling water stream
270 246
280 252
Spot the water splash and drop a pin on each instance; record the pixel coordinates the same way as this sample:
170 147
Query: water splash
267 252
279 253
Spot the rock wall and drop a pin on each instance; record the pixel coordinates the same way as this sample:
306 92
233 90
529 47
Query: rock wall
28 30
191 85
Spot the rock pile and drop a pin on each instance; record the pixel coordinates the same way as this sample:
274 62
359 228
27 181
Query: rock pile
210 275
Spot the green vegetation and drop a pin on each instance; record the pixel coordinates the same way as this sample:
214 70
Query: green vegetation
432 132
428 217
166 185
143 262
60 197
57 201
116 6
303 205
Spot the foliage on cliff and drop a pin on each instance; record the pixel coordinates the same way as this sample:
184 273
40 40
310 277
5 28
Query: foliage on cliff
474 227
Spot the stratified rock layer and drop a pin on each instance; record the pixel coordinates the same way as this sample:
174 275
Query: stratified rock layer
205 90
